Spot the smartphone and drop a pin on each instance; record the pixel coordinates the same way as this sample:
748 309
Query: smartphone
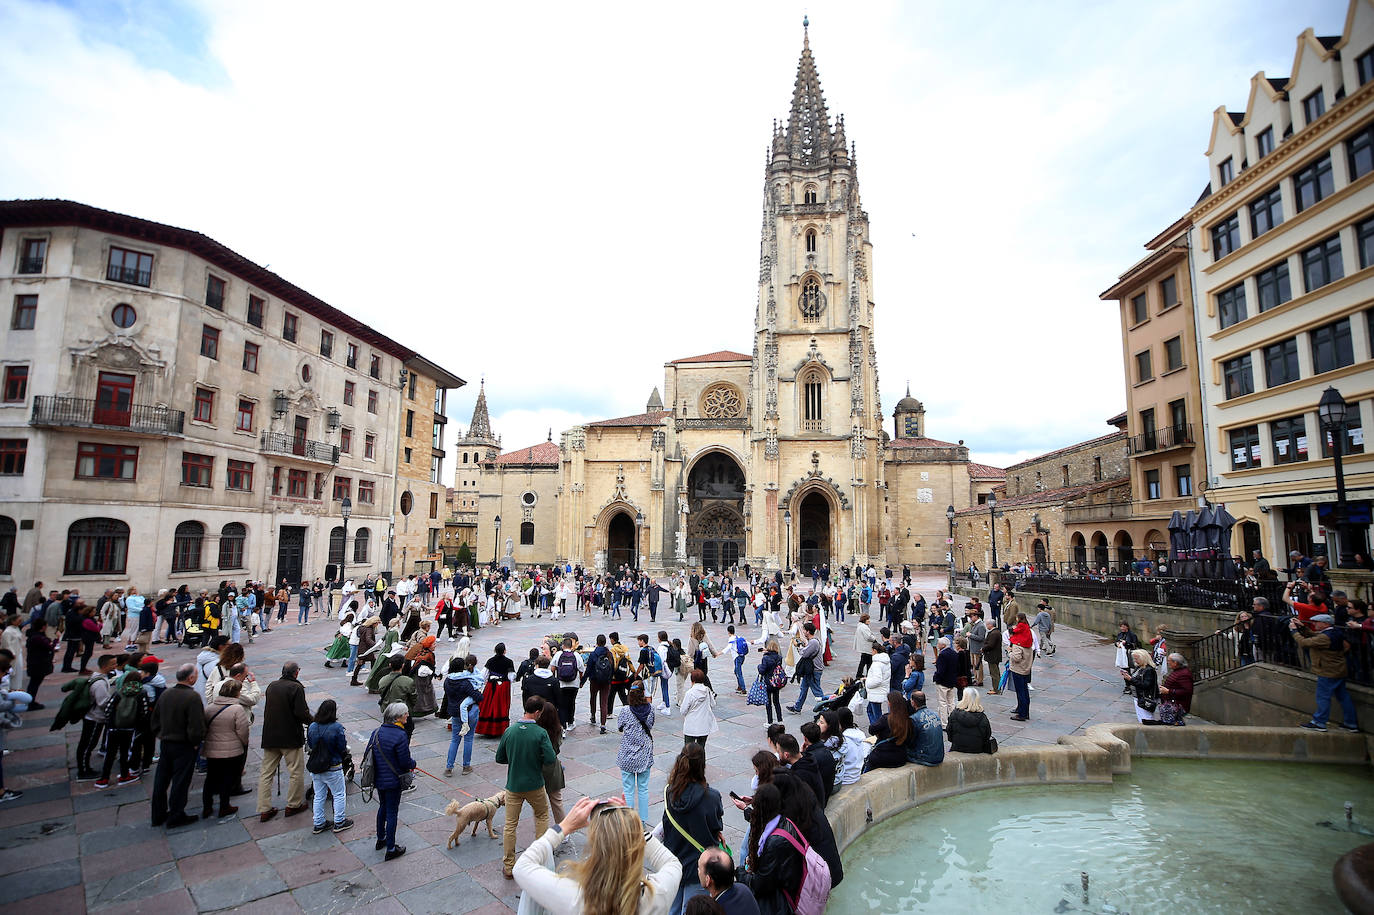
736 796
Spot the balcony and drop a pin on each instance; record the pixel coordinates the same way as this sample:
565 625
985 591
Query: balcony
81 413
30 265
1161 439
298 447
117 274
708 422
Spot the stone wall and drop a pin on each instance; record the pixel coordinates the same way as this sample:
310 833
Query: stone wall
1104 616
1273 695
1047 471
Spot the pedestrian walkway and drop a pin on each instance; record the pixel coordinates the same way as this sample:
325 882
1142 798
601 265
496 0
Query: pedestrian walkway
68 848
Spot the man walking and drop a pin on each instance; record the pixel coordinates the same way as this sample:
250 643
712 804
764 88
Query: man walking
1327 645
524 749
284 717
303 617
179 720
808 669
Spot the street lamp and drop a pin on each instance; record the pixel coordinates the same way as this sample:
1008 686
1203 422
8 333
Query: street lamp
345 509
496 543
949 515
787 523
1331 412
639 533
992 525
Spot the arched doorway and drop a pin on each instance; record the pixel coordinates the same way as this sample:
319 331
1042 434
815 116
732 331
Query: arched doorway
715 527
1156 545
1125 550
1250 540
1078 548
1038 553
1101 555
620 541
813 532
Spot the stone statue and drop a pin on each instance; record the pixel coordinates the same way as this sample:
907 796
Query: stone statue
508 560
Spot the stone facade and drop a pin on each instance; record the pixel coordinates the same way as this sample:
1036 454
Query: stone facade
422 499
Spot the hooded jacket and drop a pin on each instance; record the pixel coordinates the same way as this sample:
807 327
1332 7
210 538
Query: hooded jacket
699 812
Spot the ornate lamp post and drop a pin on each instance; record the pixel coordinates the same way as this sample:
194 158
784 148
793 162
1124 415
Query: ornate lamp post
787 523
496 543
346 510
992 526
1331 411
949 516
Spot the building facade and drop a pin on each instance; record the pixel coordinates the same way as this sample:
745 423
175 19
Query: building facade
176 414
1283 265
421 493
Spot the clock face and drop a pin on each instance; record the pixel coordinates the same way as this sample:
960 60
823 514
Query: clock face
912 429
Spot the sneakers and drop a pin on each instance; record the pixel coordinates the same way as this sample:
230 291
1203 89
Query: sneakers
412 787
343 825
129 779
87 776
1312 726
464 728
395 853
448 773
319 828
467 770
1352 728
8 795
102 783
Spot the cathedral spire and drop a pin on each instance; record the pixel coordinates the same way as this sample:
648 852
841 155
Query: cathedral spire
481 422
808 125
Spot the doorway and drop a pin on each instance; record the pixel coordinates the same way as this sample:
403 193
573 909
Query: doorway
1250 540
620 542
1297 531
114 398
813 538
290 554
299 435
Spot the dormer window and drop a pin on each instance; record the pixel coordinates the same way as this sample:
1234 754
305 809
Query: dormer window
1264 142
810 241
1314 106
1225 172
809 194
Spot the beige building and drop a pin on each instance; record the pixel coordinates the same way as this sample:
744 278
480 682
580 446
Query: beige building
176 414
422 495
1283 260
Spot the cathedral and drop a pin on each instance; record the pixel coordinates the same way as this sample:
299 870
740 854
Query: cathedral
776 457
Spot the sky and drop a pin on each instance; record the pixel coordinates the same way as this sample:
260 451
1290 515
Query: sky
560 198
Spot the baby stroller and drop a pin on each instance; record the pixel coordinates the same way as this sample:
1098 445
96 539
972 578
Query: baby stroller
193 634
840 699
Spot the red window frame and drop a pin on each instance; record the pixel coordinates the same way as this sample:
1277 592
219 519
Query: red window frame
122 461
370 446
14 453
25 313
346 440
214 292
372 400
288 327
205 406
343 488
250 357
238 476
209 341
297 484
367 492
133 267
276 481
349 393
16 388
197 470
243 419
257 307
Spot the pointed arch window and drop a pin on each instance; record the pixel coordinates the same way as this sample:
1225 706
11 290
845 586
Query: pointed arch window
810 241
809 194
813 399
812 301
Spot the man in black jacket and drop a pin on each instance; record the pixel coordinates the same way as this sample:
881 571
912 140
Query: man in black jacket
285 714
816 758
799 764
179 720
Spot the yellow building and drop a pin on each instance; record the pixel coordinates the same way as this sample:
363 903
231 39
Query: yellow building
422 494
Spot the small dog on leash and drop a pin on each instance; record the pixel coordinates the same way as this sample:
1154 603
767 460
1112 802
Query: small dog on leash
473 812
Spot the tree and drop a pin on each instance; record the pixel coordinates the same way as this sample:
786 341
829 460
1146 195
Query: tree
464 555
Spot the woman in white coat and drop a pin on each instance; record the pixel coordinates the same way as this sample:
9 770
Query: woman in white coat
698 706
877 682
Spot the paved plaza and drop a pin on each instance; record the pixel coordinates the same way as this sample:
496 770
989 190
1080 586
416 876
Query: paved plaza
66 847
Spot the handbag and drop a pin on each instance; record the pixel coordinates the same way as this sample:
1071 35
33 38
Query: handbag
369 778
1170 712
758 693
992 745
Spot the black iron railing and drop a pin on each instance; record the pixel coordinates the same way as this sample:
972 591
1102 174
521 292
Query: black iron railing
1267 638
1161 439
1196 593
30 265
80 412
306 450
136 277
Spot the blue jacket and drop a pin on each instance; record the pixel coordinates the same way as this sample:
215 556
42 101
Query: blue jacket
334 738
460 686
392 745
900 655
928 747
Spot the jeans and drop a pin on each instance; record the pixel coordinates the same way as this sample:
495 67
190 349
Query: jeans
118 746
683 894
388 806
331 782
466 740
172 781
773 702
304 615
567 704
811 683
739 671
875 712
352 657
1326 688
664 677
169 624
636 788
1021 683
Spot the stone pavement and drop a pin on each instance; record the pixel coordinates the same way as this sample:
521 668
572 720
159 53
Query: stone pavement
68 848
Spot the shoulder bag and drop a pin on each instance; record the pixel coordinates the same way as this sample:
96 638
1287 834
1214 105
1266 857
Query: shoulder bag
667 813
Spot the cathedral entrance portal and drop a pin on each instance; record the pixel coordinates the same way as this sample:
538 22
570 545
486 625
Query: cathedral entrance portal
620 542
813 544
715 527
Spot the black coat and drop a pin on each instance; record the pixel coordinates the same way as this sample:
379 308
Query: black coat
816 766
969 732
284 715
698 811
777 868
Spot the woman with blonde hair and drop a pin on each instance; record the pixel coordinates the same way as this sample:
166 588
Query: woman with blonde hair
610 877
1144 683
700 650
969 729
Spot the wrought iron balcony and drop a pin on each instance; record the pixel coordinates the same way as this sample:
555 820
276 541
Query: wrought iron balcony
132 275
298 447
1161 439
30 265
82 413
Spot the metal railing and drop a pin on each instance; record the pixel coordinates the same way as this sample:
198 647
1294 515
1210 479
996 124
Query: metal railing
132 275
1269 640
1195 593
1161 439
306 450
83 413
30 265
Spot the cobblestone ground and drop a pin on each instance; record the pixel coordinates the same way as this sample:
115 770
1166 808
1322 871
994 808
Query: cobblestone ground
66 847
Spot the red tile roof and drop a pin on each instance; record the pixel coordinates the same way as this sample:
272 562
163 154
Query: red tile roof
724 355
543 454
652 418
1062 494
1100 440
978 471
919 443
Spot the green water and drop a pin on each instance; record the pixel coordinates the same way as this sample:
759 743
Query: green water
1173 836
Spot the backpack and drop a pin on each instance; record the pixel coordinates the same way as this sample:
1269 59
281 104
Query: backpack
567 667
623 668
741 646
674 657
124 709
815 885
656 662
777 677
604 671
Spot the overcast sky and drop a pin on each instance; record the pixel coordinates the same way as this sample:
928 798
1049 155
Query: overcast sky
562 197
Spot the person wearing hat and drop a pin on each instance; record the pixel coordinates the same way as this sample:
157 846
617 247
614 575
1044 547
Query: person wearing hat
1327 647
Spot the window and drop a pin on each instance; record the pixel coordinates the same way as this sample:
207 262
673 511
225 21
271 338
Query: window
372 401
434 505
810 303
406 452
1273 286
809 194
1331 346
186 544
1281 362
297 484
811 241
1149 435
360 544
1226 236
410 424
1097 470
367 492
436 468
1245 447
369 446
1152 484
131 267
343 488
13 452
105 462
32 253
375 366
413 378
243 418
1225 172
123 315
256 307
1065 470
1183 479
238 475
1178 420
16 383
1240 378
1313 107
276 481
209 342
205 406
214 292
346 440
337 542
1352 442
1313 183
7 535
348 393
96 546
812 416
1140 308
1290 439
465 457
1321 264
1364 66
1173 354
25 312
526 533
1359 149
1231 305
305 373
351 356
231 540
1364 238
288 327
437 437
196 469
1266 211
1168 292
1264 142
326 344
1144 371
